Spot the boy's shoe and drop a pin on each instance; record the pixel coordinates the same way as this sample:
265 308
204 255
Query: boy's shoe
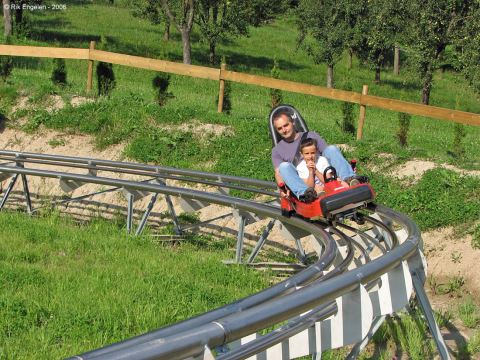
308 196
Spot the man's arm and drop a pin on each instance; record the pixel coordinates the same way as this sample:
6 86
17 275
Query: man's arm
278 177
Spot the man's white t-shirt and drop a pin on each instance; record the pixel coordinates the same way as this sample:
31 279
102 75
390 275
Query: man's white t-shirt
321 165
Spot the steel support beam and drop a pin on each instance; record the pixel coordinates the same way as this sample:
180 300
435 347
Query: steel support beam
261 241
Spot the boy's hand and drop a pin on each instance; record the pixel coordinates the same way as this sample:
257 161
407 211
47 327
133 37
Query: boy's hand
311 165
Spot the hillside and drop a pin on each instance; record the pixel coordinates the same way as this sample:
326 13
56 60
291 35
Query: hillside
440 191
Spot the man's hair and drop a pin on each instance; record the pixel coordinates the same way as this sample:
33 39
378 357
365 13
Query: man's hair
307 142
283 113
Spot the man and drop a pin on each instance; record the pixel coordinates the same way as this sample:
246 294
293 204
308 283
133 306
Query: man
285 157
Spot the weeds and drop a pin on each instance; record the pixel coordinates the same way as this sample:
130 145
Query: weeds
452 287
443 318
468 313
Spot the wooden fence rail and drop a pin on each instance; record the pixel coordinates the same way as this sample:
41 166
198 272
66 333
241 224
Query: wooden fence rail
223 75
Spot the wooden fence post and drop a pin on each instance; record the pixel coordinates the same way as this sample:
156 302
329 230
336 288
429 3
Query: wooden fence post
221 90
90 68
363 110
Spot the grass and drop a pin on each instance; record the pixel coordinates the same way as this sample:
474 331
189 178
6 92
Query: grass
66 289
468 313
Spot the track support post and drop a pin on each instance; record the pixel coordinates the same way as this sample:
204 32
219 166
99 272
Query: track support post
171 210
261 241
8 191
241 231
428 313
26 193
143 222
129 212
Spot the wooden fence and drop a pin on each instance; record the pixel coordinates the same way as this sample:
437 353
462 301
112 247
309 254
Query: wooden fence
221 75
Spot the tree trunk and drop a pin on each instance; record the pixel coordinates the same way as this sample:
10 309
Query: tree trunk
377 74
19 13
396 60
329 76
211 56
7 19
187 49
166 32
427 86
349 59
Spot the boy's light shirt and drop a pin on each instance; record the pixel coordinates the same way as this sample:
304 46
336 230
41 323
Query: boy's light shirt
321 165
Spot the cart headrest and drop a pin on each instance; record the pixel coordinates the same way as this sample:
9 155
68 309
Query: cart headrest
298 121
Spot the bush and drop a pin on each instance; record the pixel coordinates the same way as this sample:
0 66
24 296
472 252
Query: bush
59 73
160 84
275 94
458 149
6 67
348 124
403 127
105 78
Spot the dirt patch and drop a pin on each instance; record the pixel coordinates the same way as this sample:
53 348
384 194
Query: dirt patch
451 260
22 103
55 103
416 168
202 130
80 100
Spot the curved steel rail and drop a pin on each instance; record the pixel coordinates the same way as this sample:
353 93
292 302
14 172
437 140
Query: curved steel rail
271 306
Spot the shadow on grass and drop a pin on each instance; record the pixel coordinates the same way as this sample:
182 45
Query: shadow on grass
22 62
85 211
66 39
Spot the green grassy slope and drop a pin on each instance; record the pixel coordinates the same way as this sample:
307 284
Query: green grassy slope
66 289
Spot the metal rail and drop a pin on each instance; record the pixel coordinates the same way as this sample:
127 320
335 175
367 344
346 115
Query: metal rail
313 288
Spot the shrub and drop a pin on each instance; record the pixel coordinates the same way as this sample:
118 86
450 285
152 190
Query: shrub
347 124
59 73
105 78
276 97
403 127
458 149
6 67
160 84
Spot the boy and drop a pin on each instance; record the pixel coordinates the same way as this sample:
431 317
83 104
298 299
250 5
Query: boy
312 167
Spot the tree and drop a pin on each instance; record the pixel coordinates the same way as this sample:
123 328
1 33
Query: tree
379 29
7 19
263 11
323 30
152 10
355 11
183 21
220 19
468 47
433 25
